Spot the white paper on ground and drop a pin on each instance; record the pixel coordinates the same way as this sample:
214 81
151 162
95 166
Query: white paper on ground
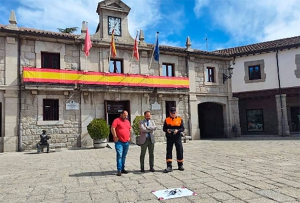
173 193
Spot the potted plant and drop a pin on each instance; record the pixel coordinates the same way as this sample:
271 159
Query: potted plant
136 128
99 131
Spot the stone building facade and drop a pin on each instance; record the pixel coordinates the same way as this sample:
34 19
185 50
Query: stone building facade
66 96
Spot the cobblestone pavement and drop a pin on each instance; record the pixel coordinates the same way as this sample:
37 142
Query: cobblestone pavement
218 171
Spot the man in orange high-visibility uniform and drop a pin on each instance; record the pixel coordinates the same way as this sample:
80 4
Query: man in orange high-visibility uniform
173 127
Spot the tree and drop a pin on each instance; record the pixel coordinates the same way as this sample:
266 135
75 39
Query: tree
68 29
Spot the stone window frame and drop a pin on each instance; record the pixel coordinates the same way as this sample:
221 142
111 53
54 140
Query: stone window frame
172 69
61 104
169 60
261 63
216 74
297 62
51 47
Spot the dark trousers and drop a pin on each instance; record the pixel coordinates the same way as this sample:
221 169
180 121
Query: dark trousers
148 144
40 145
179 150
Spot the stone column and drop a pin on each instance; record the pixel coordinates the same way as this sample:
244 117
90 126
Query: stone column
195 131
10 108
233 105
10 139
282 118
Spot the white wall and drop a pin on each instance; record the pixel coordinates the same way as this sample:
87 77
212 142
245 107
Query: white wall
287 67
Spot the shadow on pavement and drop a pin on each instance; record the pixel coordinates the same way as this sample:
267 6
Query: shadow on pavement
114 172
100 173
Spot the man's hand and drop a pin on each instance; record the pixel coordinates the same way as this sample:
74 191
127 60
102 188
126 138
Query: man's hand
175 131
115 139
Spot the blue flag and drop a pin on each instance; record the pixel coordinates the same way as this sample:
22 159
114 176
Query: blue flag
156 51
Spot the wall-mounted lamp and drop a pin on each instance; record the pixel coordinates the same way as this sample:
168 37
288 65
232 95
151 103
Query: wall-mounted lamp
230 71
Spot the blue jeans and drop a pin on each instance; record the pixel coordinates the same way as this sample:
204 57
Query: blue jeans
121 150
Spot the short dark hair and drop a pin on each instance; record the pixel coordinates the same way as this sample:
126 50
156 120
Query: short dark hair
146 112
44 131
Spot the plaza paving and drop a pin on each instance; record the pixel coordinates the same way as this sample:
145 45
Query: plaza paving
217 170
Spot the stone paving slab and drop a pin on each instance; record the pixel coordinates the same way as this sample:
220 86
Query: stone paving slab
227 171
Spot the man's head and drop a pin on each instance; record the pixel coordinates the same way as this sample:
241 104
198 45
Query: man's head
124 115
147 115
44 131
172 112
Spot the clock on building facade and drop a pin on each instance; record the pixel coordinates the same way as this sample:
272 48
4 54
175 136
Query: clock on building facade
114 23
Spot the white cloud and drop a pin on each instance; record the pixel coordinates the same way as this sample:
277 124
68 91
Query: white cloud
50 15
246 21
199 4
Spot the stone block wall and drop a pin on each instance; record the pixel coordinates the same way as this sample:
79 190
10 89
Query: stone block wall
65 135
200 82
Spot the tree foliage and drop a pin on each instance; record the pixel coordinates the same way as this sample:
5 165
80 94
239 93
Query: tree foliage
68 29
136 124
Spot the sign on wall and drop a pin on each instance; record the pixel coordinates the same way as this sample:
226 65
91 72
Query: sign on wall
72 105
155 106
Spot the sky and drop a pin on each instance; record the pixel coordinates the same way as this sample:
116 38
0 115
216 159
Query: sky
210 24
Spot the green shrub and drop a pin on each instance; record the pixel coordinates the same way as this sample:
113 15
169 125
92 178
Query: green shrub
98 129
136 125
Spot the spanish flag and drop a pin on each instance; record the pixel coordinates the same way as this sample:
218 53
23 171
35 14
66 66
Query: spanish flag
112 44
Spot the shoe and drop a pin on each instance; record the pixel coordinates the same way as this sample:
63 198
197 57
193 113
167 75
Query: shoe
119 173
168 169
180 168
152 169
142 170
124 171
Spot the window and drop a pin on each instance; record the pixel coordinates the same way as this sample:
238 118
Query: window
50 109
168 70
254 72
50 60
255 120
116 66
210 74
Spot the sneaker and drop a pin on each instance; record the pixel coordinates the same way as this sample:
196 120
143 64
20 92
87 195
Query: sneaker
152 169
180 168
142 170
168 169
124 171
119 173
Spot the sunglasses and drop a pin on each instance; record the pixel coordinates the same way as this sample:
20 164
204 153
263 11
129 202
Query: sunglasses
173 112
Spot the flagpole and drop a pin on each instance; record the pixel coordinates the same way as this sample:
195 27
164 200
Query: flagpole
86 64
153 51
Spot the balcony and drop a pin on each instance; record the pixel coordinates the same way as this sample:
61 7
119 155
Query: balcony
71 77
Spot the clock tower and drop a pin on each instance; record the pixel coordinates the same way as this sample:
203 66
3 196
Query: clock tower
113 14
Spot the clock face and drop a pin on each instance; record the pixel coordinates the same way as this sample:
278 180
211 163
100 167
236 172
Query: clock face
114 23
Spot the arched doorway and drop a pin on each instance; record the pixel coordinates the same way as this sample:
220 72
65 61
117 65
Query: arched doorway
211 121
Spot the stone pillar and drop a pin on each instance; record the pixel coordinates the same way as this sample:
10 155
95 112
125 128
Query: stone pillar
195 131
10 139
282 119
233 105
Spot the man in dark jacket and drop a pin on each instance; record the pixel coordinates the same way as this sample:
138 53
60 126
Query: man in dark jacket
173 127
43 142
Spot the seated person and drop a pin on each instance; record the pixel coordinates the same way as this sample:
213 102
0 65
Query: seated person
43 141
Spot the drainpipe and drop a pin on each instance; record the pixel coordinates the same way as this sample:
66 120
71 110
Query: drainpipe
189 105
19 96
279 84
